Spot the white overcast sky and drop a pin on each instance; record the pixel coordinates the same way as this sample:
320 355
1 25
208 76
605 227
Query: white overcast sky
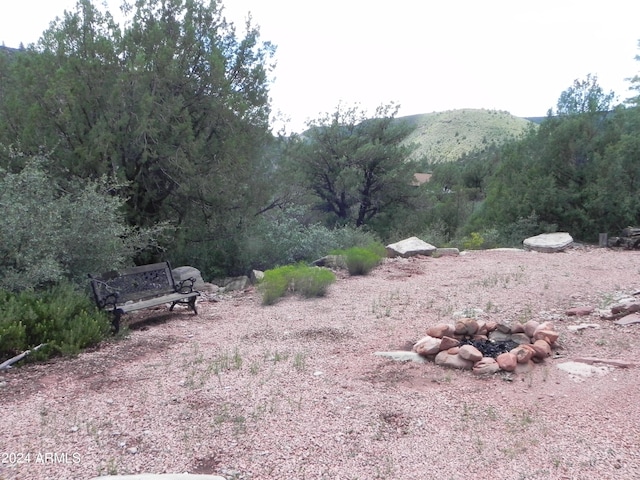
426 55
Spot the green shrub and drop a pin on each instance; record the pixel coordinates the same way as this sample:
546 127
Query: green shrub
275 283
285 237
312 281
361 260
307 281
54 232
63 318
473 241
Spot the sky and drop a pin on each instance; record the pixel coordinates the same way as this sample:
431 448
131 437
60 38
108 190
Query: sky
424 55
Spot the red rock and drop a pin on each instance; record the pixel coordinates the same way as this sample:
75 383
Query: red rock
440 330
472 325
491 326
445 359
471 353
441 357
629 305
549 336
448 342
482 328
542 348
544 326
486 366
517 327
507 361
460 328
579 311
628 319
453 350
503 327
530 327
427 346
466 326
523 354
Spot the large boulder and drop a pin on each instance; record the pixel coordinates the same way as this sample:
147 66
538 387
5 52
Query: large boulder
186 272
410 247
548 242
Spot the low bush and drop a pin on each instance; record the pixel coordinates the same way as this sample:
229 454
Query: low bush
361 260
307 281
63 318
312 281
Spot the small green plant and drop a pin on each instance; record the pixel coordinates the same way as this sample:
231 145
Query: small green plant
300 361
473 241
307 281
361 260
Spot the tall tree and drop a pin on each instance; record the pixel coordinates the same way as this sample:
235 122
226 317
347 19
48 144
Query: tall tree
175 103
584 96
356 166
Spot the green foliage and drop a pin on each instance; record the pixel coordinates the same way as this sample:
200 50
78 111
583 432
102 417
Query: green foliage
307 281
63 318
283 236
584 96
51 233
356 166
473 242
361 260
437 135
172 104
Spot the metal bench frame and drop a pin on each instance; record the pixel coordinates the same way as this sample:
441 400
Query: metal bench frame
141 287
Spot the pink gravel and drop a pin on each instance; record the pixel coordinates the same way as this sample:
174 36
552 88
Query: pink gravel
293 390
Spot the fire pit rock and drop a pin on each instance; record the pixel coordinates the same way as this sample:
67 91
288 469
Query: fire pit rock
488 347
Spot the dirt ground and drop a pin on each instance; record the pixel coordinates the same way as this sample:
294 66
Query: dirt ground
294 390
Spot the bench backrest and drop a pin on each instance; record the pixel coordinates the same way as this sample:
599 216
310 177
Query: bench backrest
132 284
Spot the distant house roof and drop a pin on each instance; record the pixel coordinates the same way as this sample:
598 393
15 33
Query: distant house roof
420 178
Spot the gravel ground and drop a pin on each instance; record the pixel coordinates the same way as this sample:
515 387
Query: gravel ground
293 390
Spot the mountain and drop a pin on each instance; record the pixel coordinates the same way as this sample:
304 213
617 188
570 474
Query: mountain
446 136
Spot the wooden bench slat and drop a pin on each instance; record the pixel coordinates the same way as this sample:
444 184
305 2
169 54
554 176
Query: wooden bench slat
141 305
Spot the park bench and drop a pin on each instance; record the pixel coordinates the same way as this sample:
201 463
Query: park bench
141 287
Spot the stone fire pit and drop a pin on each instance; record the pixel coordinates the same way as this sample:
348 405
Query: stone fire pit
488 347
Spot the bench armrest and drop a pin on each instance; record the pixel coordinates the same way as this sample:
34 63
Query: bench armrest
186 285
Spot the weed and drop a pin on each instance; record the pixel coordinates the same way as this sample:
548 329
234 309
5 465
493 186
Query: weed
299 361
254 368
111 468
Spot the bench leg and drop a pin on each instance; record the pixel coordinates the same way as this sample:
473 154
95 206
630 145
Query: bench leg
117 314
191 302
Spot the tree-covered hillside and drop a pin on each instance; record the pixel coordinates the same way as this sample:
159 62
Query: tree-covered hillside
447 136
163 123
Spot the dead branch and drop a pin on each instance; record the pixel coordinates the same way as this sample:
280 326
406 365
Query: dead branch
7 365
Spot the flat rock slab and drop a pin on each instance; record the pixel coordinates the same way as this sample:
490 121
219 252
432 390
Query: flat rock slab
161 476
628 319
579 371
402 356
548 242
410 247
